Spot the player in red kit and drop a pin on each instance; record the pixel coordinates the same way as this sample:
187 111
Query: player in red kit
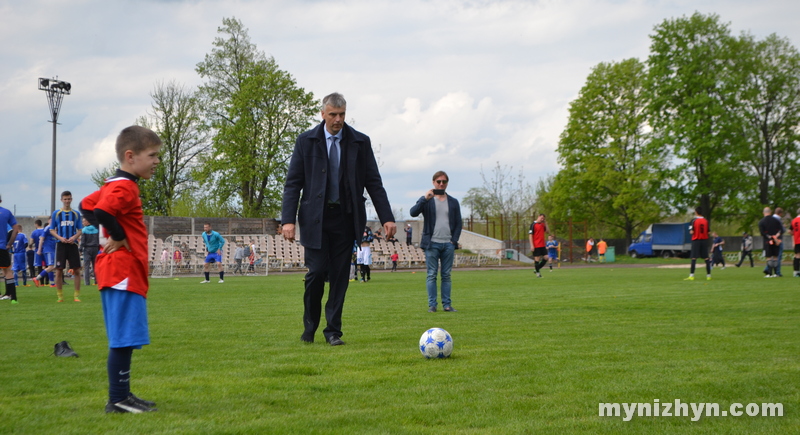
796 236
538 233
699 229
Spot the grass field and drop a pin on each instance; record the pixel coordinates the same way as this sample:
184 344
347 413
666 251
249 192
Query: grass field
531 356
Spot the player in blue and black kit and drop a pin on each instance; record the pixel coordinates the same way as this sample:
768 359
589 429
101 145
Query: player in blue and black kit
47 251
552 250
66 226
214 243
6 239
20 262
38 260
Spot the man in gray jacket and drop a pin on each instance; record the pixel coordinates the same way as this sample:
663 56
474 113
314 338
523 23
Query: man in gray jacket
440 233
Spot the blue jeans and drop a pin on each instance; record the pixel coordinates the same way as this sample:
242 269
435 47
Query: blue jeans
436 253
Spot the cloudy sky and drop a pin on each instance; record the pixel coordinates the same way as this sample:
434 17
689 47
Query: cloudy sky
438 84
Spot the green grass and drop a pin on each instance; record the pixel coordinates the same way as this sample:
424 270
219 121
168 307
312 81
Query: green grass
531 355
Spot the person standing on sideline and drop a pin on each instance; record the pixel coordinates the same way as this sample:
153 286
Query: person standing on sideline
122 268
772 230
552 251
408 234
7 238
90 243
19 247
779 216
747 249
47 251
331 165
716 249
214 242
364 258
795 227
698 227
238 256
66 226
536 235
589 247
36 236
394 257
441 231
602 246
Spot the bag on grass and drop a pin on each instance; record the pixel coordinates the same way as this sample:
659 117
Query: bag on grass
64 349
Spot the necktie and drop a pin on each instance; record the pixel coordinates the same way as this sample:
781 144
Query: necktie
333 171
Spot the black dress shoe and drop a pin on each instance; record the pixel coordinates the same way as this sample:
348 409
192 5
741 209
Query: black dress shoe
335 341
305 339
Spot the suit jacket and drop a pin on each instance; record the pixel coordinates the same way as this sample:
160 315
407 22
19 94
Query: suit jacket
428 209
308 171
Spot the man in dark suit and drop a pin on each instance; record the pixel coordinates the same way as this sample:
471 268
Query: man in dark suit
331 165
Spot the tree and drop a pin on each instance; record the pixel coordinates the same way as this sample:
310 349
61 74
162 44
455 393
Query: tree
502 193
610 166
691 82
768 102
176 116
256 111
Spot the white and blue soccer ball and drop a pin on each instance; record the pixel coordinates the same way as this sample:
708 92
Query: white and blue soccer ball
436 343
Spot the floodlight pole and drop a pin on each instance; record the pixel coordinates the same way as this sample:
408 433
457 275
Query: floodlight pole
55 89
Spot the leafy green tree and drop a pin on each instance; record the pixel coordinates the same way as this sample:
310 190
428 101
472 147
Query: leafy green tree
256 111
610 165
691 82
176 116
768 102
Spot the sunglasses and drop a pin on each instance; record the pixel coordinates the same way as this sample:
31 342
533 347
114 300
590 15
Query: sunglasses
441 181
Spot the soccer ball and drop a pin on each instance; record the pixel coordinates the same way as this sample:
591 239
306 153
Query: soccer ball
436 343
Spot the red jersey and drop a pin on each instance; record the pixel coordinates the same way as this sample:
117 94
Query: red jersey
537 231
796 230
699 228
122 269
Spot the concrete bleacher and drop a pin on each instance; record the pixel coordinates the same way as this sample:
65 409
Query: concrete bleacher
273 250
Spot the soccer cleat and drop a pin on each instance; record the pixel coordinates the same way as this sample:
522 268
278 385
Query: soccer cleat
204 281
708 278
691 278
60 300
4 297
77 300
36 282
14 302
146 403
128 405
539 275
220 281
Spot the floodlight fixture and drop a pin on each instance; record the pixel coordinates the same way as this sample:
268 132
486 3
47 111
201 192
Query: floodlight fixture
55 89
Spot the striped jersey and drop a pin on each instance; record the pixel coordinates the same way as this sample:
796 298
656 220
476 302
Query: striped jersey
66 223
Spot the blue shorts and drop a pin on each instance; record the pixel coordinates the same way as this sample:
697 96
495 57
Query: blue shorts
20 264
213 257
125 315
38 260
49 258
552 255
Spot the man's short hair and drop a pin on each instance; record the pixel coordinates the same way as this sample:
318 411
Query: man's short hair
66 193
137 139
698 210
439 174
778 211
38 222
767 211
334 100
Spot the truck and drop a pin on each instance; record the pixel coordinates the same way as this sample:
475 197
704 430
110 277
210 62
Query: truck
663 240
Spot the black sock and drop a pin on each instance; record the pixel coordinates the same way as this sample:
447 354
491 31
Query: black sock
119 373
207 275
708 267
221 275
797 264
694 265
11 289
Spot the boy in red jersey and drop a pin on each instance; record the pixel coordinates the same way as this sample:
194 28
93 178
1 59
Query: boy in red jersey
537 239
699 230
795 226
121 270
